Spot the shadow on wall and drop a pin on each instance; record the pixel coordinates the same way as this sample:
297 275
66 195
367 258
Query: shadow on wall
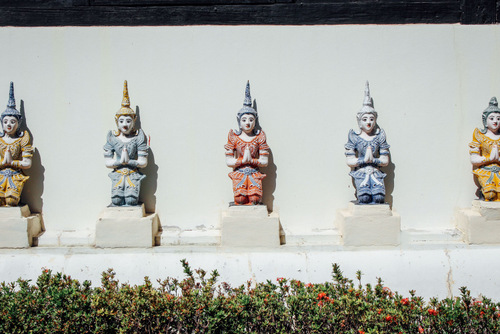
150 183
33 189
269 183
389 181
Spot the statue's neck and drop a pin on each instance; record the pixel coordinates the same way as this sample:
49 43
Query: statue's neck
9 139
367 136
493 135
126 138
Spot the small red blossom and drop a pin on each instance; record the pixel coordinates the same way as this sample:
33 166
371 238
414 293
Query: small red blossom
361 332
309 285
379 311
420 329
432 311
405 301
280 279
322 295
320 303
388 318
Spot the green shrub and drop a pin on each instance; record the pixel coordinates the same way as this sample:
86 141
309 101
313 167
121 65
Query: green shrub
199 304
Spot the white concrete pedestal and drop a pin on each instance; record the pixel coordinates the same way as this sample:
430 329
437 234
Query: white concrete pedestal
19 228
480 224
127 226
250 226
369 225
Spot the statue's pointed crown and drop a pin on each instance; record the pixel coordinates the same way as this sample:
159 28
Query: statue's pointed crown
11 105
367 101
492 106
125 110
247 102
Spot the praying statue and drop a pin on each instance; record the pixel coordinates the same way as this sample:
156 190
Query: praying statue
366 151
246 152
126 151
484 154
15 153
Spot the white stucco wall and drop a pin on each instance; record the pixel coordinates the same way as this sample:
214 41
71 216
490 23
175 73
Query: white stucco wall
430 84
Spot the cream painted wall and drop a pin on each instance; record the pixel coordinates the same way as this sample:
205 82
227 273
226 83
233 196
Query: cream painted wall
430 84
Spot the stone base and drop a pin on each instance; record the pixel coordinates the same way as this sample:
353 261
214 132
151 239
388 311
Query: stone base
20 228
250 226
481 223
127 226
369 225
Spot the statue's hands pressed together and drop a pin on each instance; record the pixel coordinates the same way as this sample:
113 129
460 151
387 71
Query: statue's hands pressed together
494 156
7 159
124 158
247 157
369 155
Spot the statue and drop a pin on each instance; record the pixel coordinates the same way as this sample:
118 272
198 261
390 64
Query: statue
367 151
484 154
131 150
15 153
246 151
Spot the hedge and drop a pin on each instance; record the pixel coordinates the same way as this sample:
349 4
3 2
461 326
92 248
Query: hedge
56 303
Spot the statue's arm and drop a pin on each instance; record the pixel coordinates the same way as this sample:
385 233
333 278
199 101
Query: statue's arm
351 159
27 153
263 159
476 157
383 159
350 151
109 159
142 159
478 160
231 161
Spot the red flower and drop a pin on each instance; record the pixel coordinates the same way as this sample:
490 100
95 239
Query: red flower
420 329
405 301
309 285
279 279
379 311
322 295
361 332
432 311
388 318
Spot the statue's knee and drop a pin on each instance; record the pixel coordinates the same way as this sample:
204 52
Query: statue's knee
490 195
118 201
364 199
240 199
379 198
130 200
254 199
11 201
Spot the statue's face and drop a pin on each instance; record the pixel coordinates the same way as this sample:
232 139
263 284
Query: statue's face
493 122
247 122
10 125
367 123
125 124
